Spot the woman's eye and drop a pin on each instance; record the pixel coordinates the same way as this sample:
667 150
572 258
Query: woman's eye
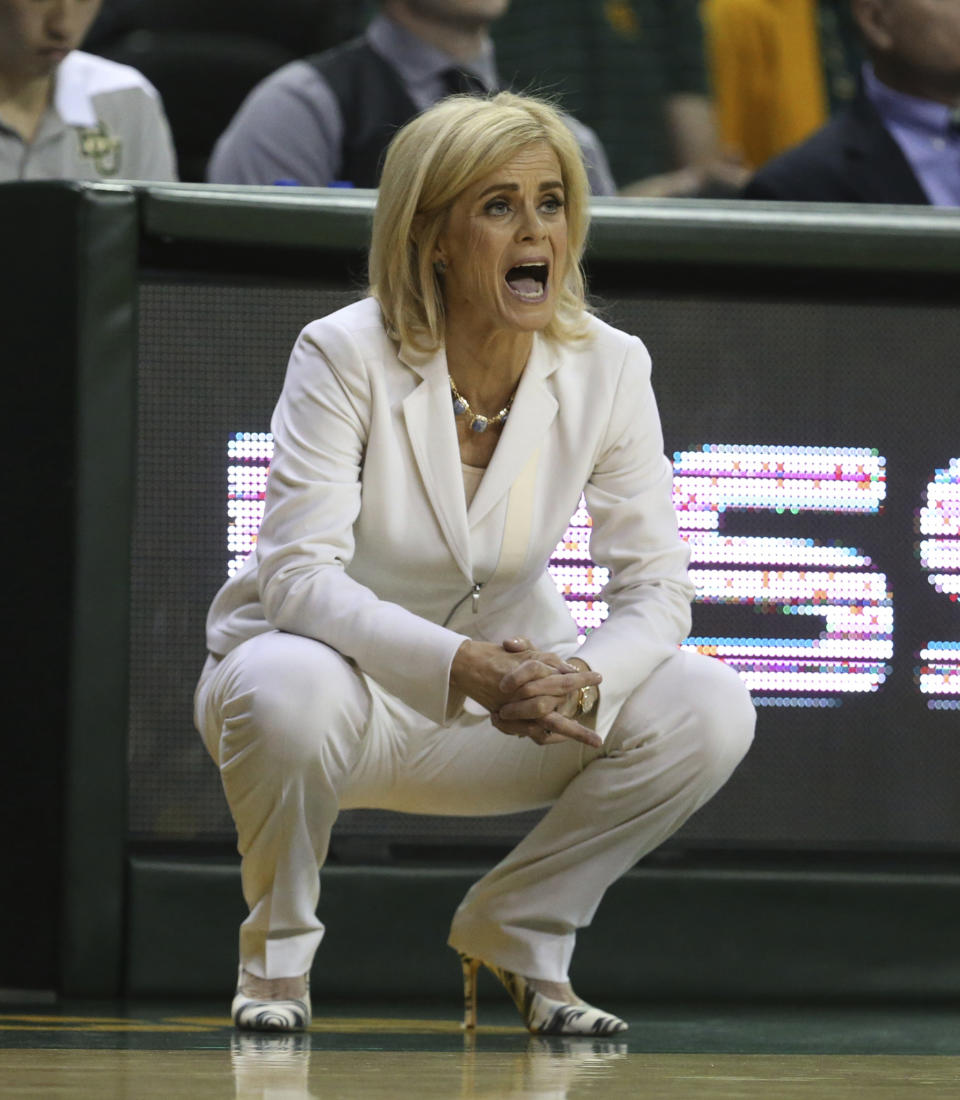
498 206
552 204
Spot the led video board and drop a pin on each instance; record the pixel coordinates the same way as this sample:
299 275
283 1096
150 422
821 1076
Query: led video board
816 480
843 597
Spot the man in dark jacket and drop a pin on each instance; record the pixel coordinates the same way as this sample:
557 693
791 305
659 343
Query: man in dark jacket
899 140
329 118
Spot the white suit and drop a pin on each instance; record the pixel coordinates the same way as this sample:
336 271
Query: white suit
331 649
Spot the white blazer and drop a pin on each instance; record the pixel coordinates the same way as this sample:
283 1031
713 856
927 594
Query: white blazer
367 544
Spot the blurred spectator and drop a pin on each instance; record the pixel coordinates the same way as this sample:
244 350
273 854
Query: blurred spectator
328 118
69 115
635 71
899 140
204 56
777 70
767 74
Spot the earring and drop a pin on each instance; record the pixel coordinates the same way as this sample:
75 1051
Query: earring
440 267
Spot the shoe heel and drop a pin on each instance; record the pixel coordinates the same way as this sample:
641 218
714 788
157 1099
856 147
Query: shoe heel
470 968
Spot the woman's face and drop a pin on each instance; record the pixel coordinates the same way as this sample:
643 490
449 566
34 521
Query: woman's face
505 245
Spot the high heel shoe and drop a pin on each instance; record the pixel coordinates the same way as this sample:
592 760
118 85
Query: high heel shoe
541 1014
258 1007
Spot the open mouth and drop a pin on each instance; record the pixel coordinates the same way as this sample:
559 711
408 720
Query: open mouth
528 281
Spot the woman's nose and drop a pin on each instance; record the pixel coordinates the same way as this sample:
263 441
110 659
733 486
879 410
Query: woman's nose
531 225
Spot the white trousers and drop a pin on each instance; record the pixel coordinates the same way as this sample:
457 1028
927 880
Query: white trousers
298 736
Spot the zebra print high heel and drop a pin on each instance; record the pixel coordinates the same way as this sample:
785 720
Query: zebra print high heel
257 1007
541 1014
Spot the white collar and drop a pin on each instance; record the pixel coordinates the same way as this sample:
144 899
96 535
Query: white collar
71 96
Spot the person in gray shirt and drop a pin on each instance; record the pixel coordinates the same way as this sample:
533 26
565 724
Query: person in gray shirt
327 119
65 114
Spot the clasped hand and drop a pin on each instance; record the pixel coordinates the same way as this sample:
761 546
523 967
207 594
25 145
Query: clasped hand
529 693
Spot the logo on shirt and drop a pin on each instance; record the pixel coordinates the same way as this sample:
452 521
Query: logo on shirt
99 145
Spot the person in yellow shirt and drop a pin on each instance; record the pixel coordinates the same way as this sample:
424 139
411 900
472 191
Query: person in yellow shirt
767 71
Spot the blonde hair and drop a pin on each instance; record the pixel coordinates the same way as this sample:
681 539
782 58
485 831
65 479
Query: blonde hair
430 163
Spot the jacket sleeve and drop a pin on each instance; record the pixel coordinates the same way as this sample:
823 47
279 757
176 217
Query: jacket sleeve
629 496
306 538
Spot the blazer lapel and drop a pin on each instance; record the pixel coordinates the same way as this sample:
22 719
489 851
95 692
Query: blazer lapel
433 438
533 411
875 162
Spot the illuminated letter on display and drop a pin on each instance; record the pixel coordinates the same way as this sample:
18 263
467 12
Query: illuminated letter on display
249 455
939 553
835 585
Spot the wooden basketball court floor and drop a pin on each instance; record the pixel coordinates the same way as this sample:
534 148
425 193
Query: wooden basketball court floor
390 1051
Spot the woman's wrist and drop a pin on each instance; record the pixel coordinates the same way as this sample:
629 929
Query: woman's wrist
463 667
458 663
586 697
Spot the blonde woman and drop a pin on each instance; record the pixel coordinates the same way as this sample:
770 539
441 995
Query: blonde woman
396 641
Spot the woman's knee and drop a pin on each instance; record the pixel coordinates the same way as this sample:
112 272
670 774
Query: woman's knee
696 709
724 715
292 696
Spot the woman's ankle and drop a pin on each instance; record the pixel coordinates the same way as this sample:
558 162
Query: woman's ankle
273 989
555 991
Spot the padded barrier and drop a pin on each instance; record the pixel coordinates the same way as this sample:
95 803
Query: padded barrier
820 931
69 294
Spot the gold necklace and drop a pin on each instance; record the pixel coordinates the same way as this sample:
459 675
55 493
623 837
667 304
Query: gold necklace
478 422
